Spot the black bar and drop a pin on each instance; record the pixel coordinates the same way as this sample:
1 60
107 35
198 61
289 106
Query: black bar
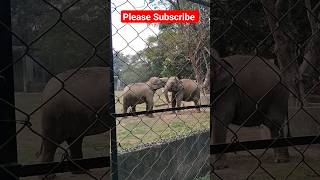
112 110
160 110
8 152
211 79
263 144
59 167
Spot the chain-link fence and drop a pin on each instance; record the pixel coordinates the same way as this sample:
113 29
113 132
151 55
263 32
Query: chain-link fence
133 109
163 60
63 49
265 72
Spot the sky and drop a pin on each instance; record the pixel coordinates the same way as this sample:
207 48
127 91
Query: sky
129 38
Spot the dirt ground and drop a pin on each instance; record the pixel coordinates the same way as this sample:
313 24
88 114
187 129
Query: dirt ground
101 174
304 161
130 132
243 165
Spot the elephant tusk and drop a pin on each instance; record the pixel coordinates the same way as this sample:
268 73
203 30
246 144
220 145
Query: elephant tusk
158 105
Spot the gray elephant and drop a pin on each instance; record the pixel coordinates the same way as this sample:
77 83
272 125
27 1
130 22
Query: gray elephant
138 93
182 90
253 99
80 110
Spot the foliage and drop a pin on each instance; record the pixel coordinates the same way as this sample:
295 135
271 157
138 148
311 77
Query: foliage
82 26
74 35
170 52
240 27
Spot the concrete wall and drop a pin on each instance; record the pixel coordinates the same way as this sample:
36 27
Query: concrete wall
182 159
304 122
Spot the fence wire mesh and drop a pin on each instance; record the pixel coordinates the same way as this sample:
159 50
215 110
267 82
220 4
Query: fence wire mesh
178 54
72 91
274 84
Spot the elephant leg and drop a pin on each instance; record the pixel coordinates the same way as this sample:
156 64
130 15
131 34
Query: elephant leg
173 102
218 135
196 103
281 154
222 115
125 109
149 106
49 150
75 148
134 110
277 115
76 151
179 98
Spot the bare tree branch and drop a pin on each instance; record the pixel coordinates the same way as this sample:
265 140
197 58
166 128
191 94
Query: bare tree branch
316 7
284 44
310 67
174 4
201 2
312 20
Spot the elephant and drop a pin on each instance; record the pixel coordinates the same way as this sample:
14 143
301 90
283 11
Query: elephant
182 90
246 94
309 73
138 93
78 111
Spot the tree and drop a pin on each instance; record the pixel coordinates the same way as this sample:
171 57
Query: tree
185 47
310 68
75 36
284 42
239 28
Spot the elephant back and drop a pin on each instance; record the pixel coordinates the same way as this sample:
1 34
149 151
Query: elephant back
136 87
254 75
89 85
86 92
136 93
191 89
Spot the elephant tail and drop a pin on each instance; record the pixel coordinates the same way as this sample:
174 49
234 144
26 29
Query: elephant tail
288 127
37 154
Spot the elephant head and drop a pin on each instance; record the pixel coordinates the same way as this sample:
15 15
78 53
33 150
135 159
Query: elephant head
173 85
155 83
222 73
164 80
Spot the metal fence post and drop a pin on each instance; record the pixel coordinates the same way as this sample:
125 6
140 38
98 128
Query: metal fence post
114 150
211 64
8 151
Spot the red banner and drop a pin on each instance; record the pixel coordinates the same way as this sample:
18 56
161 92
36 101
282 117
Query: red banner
160 16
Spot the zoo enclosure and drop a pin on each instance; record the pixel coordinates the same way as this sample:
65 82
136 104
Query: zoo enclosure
241 22
10 168
26 170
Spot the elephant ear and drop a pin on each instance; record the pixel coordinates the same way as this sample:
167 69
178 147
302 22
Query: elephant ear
221 76
155 83
177 85
156 86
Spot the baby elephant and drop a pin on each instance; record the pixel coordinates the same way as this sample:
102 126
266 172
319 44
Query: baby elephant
182 90
138 93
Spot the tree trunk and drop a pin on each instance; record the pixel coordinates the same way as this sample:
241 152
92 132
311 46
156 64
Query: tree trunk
196 68
311 64
284 44
206 83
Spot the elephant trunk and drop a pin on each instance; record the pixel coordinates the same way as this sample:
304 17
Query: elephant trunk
165 91
164 80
